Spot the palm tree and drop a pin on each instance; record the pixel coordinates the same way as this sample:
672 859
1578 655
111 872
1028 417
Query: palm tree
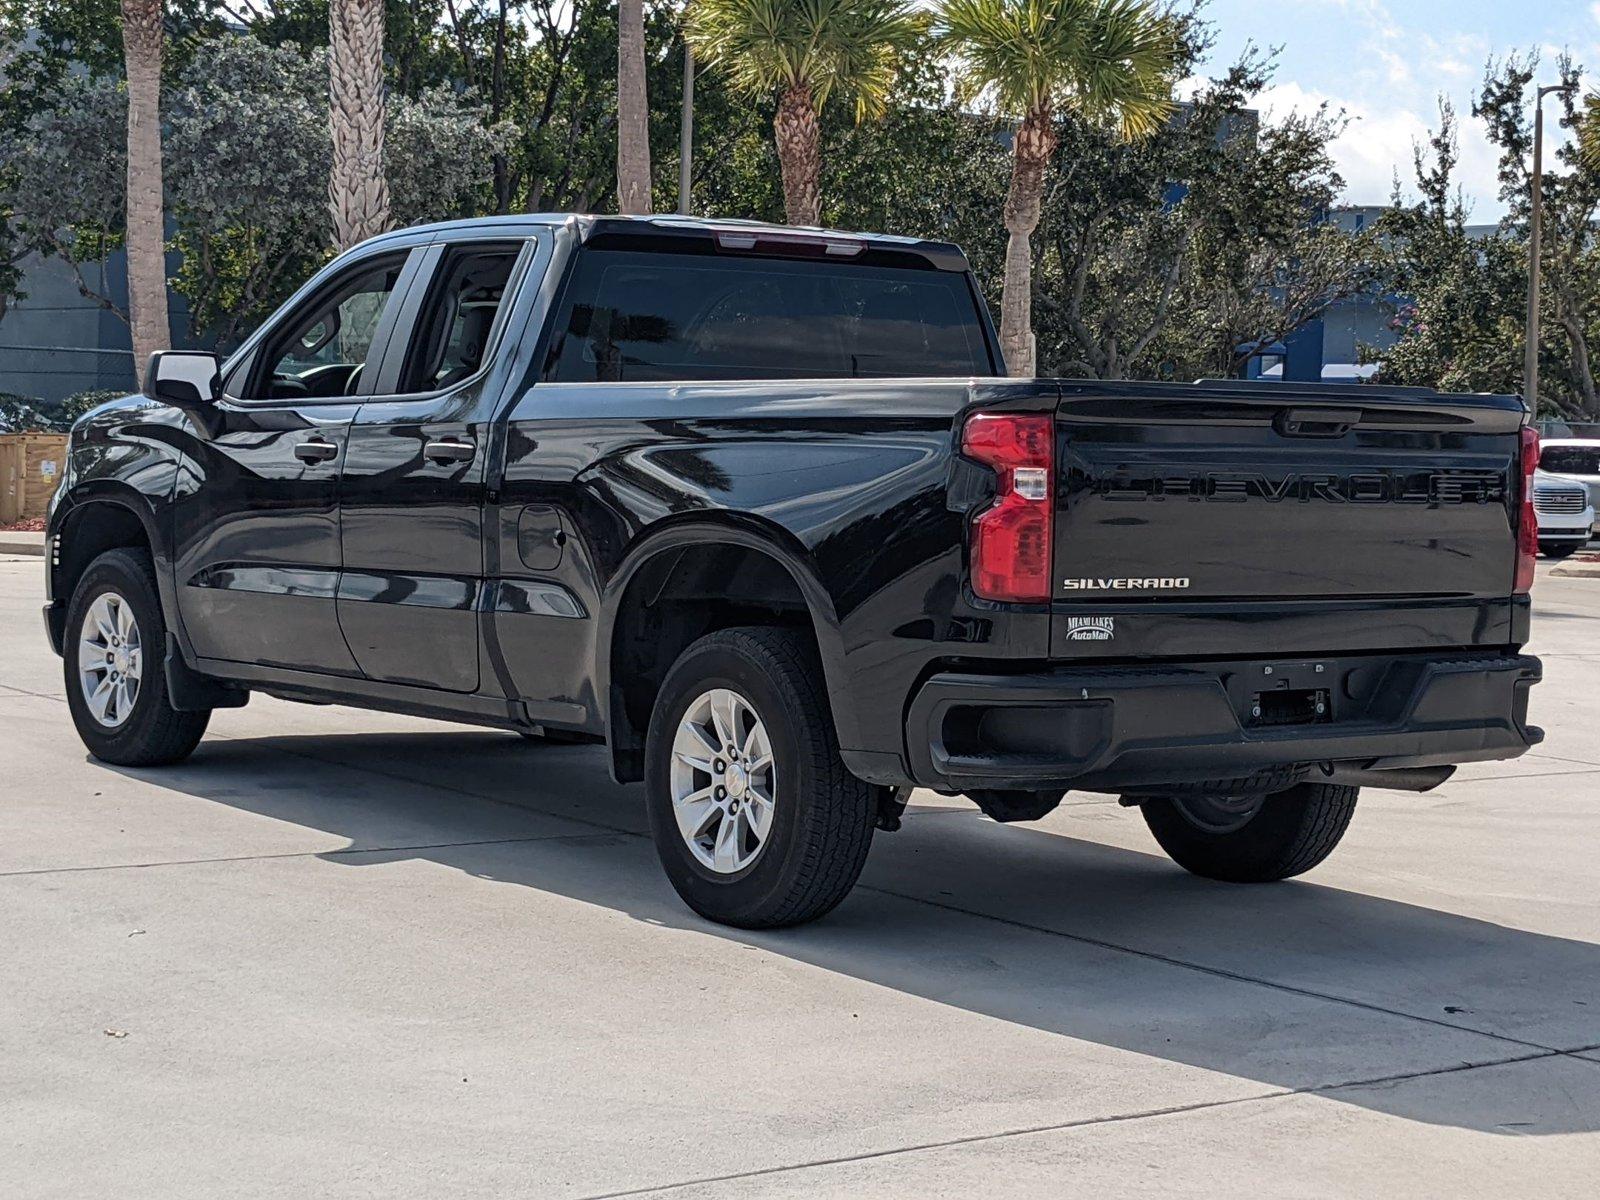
805 50
633 111
1589 131
358 194
1107 60
147 242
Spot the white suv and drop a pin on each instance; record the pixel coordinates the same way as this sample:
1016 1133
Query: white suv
1565 512
1575 458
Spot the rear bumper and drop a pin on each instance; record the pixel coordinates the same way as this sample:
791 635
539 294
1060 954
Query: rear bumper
1118 728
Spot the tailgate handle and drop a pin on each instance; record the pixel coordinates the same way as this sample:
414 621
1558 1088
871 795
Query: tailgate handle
1314 422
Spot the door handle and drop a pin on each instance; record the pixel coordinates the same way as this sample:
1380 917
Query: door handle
315 450
450 451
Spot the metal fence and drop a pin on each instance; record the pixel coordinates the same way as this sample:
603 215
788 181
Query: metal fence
1558 428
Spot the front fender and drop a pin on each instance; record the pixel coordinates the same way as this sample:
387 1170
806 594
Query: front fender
120 456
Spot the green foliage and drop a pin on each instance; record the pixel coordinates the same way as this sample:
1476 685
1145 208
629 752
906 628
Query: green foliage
1182 254
816 46
62 189
77 404
1460 325
1588 131
1100 59
248 156
925 170
439 156
1174 254
29 414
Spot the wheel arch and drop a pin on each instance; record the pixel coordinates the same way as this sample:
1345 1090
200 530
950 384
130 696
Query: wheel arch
96 518
772 581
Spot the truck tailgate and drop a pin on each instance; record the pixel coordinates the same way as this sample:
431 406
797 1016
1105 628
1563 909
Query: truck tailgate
1227 502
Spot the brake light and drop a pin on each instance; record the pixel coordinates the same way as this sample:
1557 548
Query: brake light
795 245
1012 538
1527 521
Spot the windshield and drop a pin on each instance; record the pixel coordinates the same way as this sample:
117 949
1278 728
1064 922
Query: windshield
1571 460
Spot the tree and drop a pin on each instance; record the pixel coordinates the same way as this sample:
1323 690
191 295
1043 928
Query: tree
251 221
1570 258
142 36
1268 260
804 51
248 159
1460 317
1588 131
1125 218
633 111
1106 60
358 195
65 180
251 224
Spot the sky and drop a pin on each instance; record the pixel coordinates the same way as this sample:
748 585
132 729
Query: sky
1386 62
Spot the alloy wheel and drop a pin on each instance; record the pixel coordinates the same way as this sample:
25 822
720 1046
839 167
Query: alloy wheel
724 781
110 659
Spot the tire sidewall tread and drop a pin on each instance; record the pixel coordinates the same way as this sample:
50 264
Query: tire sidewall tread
1293 831
823 816
155 733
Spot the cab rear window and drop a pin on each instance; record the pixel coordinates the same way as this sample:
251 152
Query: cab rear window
668 317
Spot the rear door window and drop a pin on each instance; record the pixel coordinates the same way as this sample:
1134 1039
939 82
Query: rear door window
660 316
460 318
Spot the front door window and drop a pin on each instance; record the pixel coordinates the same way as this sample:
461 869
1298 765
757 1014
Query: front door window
322 349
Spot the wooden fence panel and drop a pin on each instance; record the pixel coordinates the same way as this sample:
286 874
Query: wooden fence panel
31 466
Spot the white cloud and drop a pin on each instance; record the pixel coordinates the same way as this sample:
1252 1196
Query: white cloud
1379 142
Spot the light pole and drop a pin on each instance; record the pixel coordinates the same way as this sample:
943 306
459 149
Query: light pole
1530 362
686 131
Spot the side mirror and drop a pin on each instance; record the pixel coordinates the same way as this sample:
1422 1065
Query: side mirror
186 379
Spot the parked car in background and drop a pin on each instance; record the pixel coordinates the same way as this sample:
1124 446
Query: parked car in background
1575 458
1565 513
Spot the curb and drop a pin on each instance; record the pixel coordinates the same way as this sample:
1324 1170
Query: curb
1578 570
17 546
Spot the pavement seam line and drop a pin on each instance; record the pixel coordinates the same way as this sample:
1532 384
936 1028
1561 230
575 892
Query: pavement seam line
345 850
1320 1089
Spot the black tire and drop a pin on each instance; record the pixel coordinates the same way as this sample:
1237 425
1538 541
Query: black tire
1288 834
823 816
154 733
1558 549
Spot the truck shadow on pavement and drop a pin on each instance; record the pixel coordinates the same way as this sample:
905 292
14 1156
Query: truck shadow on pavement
1299 986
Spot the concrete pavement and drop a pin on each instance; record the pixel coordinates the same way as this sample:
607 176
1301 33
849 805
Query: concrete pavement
20 542
343 953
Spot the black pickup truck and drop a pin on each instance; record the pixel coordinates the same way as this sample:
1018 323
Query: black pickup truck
755 508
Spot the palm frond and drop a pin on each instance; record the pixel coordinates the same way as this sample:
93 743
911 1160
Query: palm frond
1111 60
1589 132
823 46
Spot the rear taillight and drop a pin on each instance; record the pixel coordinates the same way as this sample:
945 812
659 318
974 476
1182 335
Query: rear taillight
1527 521
1011 539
